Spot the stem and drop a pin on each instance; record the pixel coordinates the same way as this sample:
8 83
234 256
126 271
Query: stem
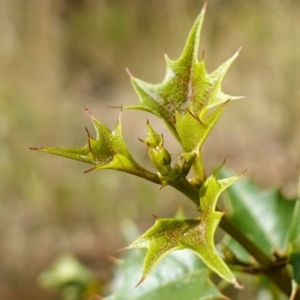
187 189
181 185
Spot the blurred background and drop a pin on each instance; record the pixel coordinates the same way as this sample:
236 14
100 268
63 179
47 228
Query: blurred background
59 56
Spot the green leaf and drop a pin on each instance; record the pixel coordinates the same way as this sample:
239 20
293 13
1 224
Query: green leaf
193 131
107 151
181 275
265 216
197 235
186 82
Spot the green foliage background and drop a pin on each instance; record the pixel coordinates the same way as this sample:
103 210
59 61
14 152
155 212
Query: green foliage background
58 56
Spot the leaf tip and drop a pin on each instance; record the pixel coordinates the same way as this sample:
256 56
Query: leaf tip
243 173
112 259
123 249
238 97
89 170
236 54
204 6
163 184
224 161
155 217
141 281
115 106
237 285
89 113
35 148
121 112
128 73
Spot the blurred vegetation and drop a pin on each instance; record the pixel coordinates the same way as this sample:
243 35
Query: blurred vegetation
57 56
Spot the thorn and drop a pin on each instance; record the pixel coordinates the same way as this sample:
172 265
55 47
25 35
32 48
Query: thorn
33 148
143 141
164 184
224 161
203 54
239 50
112 259
155 217
115 106
89 137
89 113
148 122
226 211
237 285
166 56
89 170
121 111
204 6
243 172
128 72
123 249
227 101
195 117
142 279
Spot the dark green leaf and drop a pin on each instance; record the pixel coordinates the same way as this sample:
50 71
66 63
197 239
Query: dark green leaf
264 215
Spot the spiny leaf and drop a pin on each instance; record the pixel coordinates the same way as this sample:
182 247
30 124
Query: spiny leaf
181 275
186 81
161 239
107 151
197 235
